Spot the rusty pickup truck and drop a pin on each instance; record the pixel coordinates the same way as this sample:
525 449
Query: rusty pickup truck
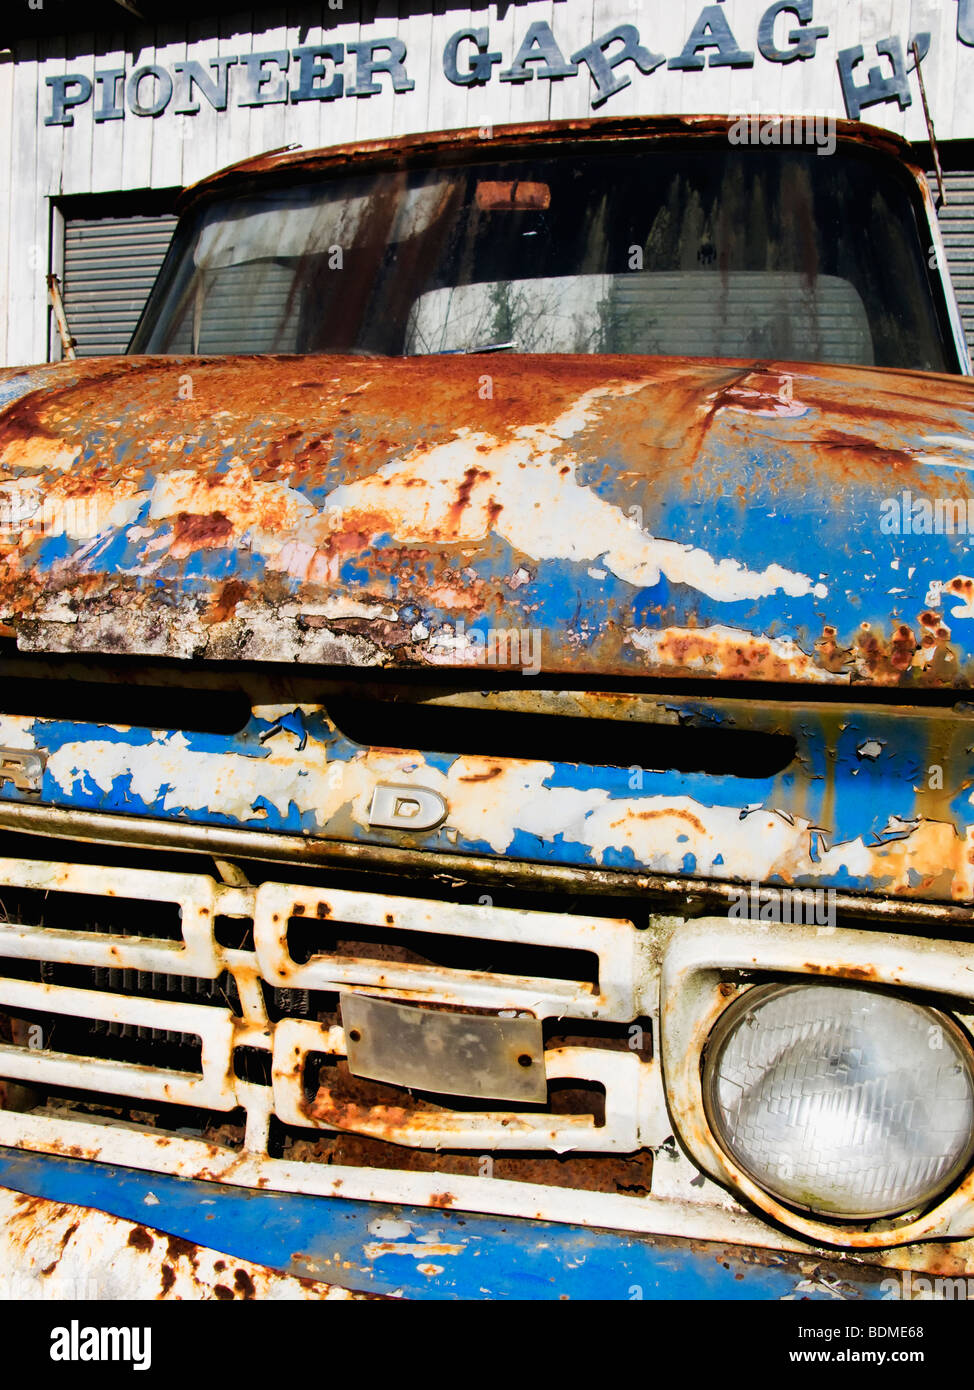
486 734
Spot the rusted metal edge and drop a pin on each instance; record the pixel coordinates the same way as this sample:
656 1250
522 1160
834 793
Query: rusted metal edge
634 698
100 828
368 153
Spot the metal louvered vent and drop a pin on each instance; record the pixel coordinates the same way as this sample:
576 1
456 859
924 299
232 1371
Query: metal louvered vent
110 264
957 227
252 301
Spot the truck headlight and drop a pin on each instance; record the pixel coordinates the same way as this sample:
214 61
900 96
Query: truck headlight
845 1102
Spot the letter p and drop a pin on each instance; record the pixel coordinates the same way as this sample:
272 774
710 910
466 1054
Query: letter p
62 100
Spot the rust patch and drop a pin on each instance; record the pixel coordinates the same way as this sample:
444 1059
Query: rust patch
193 531
701 652
225 603
179 1248
69 1233
471 476
673 813
850 972
347 1100
329 1110
140 1239
396 149
604 1172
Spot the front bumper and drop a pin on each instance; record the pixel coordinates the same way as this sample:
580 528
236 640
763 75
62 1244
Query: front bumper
290 1246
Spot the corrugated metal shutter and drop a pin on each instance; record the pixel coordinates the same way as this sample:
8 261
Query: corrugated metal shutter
109 266
244 308
957 227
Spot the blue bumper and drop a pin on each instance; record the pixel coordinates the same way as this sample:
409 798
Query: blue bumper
417 1253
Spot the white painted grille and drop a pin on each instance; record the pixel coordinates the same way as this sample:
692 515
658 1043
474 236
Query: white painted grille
139 966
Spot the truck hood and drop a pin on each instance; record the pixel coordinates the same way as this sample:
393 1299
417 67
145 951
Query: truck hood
599 515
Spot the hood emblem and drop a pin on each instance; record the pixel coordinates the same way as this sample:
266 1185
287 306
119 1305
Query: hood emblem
406 808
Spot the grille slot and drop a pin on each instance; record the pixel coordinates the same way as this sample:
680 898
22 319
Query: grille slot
127 703
607 742
628 1174
144 984
108 1040
396 921
88 912
309 940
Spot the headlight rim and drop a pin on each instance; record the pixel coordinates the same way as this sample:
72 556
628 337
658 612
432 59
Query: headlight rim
696 965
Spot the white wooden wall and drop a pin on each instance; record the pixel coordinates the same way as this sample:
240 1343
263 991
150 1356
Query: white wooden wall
38 162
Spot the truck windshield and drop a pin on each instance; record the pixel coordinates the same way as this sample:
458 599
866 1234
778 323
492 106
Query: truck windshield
722 251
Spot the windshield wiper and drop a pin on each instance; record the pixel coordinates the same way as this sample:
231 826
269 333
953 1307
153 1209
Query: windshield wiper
485 347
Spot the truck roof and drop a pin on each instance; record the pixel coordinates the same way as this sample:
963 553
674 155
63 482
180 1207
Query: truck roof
403 149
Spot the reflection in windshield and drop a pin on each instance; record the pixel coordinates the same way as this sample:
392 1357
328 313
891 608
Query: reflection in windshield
715 252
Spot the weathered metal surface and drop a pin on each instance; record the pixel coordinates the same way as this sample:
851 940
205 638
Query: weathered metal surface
677 893
634 1111
409 1251
639 515
105 1150
65 1250
312 1094
621 969
621 518
595 517
876 800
